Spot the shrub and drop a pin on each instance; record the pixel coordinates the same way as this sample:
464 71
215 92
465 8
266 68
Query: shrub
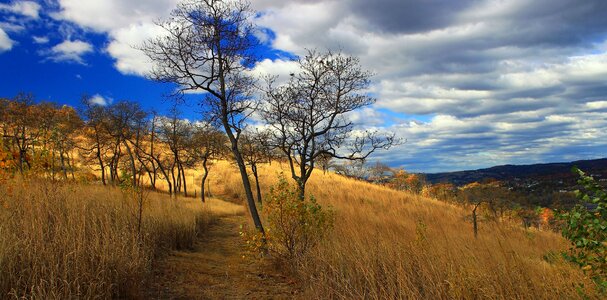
293 226
586 228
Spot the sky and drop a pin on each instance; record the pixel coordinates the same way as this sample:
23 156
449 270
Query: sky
467 84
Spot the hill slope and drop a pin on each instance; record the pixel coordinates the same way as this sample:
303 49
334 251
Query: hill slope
388 244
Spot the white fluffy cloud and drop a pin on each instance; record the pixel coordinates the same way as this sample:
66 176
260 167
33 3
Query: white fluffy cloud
128 24
29 9
468 83
70 51
100 100
6 43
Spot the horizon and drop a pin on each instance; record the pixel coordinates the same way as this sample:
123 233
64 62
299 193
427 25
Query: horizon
469 85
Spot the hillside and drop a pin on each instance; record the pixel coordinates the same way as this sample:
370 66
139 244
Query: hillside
388 244
385 244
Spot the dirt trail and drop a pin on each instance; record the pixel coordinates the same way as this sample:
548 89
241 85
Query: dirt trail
216 269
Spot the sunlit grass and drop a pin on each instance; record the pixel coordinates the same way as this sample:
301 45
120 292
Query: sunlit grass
388 244
65 240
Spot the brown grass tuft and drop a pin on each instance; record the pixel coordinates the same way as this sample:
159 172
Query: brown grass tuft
61 240
388 244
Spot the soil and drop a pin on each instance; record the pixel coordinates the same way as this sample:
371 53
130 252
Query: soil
220 267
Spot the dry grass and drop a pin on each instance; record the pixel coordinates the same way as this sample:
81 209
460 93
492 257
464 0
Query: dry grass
74 241
61 240
393 245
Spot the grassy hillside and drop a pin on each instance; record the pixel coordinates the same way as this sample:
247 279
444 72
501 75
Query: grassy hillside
388 244
66 240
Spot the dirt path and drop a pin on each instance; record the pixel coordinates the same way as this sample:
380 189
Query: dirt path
216 269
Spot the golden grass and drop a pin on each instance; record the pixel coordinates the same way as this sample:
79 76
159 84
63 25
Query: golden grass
62 240
388 244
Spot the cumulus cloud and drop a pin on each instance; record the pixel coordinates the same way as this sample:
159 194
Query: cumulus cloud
6 43
128 24
100 100
29 9
468 83
70 51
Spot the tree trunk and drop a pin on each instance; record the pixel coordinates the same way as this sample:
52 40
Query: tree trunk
101 166
62 160
133 169
247 188
185 184
204 178
254 169
474 220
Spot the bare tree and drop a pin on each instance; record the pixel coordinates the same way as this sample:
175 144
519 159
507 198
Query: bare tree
125 121
206 47
255 150
207 143
176 133
309 113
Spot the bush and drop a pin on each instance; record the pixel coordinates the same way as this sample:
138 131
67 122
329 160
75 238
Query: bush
586 228
293 226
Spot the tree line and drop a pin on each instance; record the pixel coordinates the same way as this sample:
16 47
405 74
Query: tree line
208 47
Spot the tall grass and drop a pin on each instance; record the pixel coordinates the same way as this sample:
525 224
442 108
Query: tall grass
66 240
388 244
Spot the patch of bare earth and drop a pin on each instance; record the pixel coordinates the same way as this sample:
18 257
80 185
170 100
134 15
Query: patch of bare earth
216 269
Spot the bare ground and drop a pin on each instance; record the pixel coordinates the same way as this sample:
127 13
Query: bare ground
219 267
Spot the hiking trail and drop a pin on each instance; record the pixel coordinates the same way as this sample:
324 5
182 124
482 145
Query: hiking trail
219 267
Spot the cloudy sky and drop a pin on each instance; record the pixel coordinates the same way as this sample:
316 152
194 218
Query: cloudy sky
468 83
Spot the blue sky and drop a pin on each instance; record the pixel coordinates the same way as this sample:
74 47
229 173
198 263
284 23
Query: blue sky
468 84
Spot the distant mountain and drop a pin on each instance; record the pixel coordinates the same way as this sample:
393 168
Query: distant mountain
546 185
595 167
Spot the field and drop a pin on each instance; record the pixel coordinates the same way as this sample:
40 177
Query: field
66 240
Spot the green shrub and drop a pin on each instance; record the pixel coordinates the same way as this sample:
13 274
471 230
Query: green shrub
586 228
293 226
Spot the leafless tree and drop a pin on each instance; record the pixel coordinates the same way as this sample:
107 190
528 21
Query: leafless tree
125 121
176 133
207 143
255 150
206 48
309 113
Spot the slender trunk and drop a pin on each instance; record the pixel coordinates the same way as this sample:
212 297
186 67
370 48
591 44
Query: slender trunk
175 186
254 169
301 184
101 166
133 169
474 220
167 178
204 178
185 184
225 115
62 160
247 188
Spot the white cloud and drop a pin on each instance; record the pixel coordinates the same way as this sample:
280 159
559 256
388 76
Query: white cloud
130 60
70 51
40 39
281 68
6 43
29 9
109 15
474 84
128 24
100 100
